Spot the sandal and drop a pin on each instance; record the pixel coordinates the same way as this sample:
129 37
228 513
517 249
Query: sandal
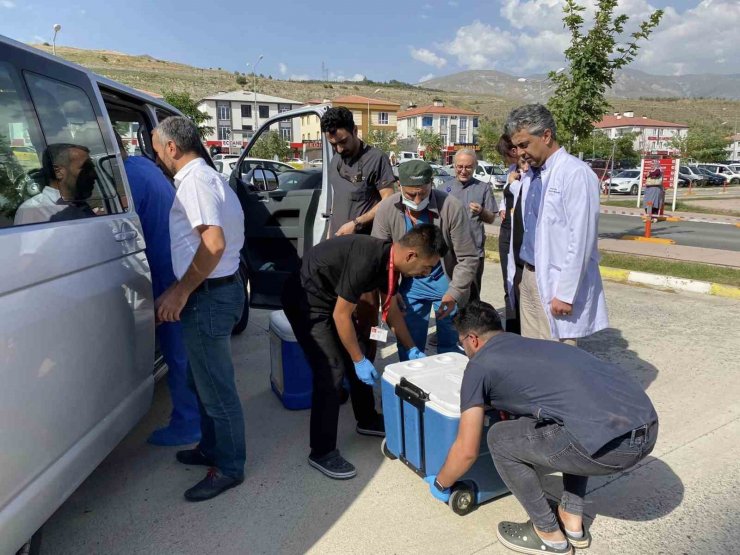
523 538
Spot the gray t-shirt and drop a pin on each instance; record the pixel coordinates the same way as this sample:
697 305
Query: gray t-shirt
595 400
474 191
355 184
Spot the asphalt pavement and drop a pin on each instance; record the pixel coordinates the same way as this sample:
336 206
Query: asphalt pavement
682 499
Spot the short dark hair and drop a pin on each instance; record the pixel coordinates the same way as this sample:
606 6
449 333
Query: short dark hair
504 146
427 238
182 131
57 154
477 317
337 118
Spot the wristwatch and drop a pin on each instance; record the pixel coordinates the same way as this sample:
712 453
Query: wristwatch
358 224
439 486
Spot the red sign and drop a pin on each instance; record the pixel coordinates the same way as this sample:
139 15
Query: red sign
667 166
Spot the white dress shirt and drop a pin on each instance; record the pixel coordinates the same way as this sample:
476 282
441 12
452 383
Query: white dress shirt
39 208
204 198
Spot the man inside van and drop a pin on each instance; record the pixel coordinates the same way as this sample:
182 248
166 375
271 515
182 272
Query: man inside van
577 414
69 178
153 197
206 234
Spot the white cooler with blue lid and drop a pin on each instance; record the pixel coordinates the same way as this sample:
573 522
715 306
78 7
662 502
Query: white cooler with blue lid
421 408
291 378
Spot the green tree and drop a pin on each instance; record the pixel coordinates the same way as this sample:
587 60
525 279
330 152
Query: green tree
593 57
189 107
431 142
488 136
241 80
13 178
269 145
382 139
598 146
702 143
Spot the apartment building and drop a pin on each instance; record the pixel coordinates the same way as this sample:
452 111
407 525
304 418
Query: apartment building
653 136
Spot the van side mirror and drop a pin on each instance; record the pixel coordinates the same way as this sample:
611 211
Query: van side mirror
264 180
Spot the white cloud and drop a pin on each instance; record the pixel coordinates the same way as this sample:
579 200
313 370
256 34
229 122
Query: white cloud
426 77
528 36
428 57
7 4
301 77
341 77
283 68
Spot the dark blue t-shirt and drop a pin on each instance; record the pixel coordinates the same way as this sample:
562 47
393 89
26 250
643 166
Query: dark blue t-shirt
153 197
595 400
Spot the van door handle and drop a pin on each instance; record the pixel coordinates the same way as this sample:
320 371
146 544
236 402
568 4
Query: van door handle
125 235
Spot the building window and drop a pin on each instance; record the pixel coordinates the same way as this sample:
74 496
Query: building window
224 111
283 108
444 139
382 118
463 123
426 121
224 133
463 137
264 112
443 124
246 110
247 128
286 134
475 122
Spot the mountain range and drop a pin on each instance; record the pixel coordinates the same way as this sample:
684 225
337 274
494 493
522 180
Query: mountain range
629 83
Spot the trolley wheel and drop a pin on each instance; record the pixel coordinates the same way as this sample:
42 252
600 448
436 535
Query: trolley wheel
462 500
386 452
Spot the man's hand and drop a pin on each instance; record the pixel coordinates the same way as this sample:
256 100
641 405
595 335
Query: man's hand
169 304
513 176
346 229
443 496
415 353
366 371
475 208
447 305
502 214
559 308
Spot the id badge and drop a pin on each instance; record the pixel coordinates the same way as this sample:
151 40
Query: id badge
379 333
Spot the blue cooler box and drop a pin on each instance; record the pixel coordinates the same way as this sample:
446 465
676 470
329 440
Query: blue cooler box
421 408
290 375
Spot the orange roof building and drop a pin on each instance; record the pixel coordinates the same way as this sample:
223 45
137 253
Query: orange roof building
653 136
368 113
458 127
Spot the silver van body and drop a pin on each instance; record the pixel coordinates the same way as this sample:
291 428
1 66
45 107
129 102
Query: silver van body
77 330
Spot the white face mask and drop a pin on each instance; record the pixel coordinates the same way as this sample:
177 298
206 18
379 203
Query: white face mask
414 206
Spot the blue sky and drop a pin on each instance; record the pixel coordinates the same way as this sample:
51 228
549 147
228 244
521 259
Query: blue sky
381 40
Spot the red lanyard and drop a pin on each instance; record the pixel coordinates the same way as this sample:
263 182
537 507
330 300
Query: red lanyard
392 283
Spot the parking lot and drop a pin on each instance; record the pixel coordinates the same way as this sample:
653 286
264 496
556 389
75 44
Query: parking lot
682 499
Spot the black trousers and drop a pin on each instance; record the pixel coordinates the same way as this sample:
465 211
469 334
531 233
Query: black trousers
513 324
475 288
330 363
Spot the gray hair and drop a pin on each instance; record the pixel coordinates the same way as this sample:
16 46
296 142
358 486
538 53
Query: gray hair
182 131
466 152
535 118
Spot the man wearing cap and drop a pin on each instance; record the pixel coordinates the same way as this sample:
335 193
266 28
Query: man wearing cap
450 282
480 206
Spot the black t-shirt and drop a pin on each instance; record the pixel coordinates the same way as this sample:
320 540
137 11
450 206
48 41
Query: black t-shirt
595 400
346 267
355 184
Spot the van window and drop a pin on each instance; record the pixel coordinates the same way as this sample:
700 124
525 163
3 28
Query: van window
20 158
80 178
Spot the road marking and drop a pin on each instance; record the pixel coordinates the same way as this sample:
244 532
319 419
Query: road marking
642 239
721 290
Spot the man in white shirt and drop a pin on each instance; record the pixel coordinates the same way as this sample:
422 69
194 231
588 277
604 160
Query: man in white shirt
561 295
69 176
206 235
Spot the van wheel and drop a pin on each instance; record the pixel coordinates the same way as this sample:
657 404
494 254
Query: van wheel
33 547
241 325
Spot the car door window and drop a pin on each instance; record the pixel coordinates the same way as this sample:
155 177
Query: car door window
81 179
21 148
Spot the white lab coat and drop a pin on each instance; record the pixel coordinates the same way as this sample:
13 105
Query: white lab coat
566 246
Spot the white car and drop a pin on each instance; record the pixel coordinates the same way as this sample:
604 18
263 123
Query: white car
226 166
626 182
723 170
490 173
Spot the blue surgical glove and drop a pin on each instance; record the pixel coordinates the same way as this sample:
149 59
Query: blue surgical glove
366 371
443 496
415 353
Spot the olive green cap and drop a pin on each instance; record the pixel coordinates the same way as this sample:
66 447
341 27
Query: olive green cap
414 173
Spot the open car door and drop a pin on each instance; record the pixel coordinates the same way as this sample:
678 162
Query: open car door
286 210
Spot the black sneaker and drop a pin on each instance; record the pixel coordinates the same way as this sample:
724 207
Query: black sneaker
333 465
375 428
212 485
193 457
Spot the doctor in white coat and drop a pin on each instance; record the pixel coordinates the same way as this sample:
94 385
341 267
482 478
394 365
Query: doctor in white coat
561 294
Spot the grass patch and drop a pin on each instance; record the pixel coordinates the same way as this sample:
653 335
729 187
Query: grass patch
675 268
681 206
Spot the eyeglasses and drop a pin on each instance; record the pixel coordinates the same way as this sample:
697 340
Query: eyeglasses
461 168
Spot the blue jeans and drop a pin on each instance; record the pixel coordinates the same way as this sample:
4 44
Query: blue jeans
207 319
419 302
185 415
518 446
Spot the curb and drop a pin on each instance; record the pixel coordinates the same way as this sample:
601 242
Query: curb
632 277
732 221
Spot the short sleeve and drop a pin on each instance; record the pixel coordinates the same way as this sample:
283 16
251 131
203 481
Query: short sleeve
489 201
360 274
385 173
202 201
472 391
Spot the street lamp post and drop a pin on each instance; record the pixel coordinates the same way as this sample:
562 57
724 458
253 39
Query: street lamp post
56 28
254 91
368 115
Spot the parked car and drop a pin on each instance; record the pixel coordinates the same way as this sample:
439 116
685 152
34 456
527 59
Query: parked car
725 171
441 177
695 178
225 163
316 163
626 182
713 180
77 331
